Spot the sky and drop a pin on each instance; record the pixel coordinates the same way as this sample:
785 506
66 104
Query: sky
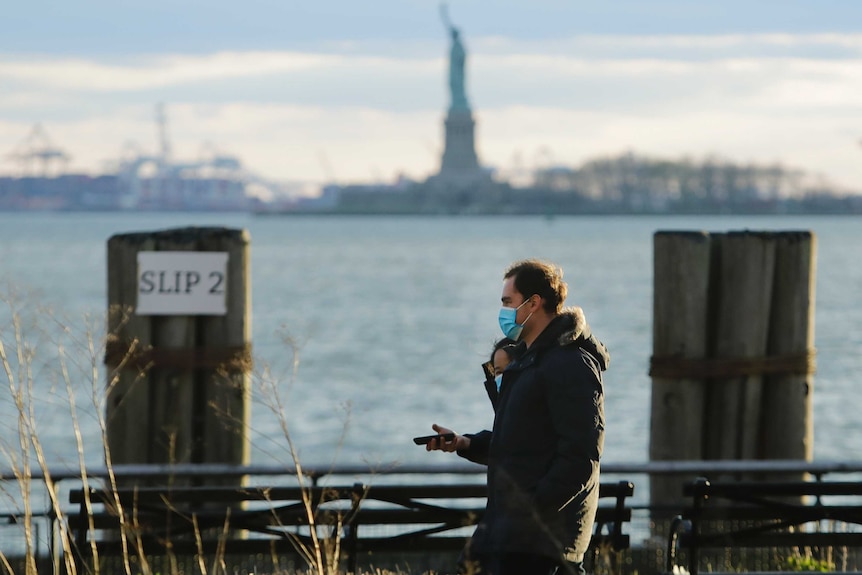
349 92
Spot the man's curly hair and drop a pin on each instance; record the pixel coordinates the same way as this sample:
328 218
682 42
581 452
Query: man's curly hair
537 277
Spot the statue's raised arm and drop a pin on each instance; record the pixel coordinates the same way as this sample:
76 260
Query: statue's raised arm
457 60
444 15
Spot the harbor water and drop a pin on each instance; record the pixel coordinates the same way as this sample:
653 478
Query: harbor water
366 330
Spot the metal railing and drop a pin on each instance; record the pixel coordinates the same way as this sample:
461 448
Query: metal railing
66 479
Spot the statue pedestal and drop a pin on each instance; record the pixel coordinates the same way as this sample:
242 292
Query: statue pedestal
459 155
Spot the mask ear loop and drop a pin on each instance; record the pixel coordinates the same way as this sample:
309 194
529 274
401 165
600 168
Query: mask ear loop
525 302
531 313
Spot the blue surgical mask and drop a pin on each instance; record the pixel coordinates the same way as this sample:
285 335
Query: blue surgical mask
508 323
499 381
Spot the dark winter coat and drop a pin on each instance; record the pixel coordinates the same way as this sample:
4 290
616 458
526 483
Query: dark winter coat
543 453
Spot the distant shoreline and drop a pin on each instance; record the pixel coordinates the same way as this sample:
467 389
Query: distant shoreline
344 213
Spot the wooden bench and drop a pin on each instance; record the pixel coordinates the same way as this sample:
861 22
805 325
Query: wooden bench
784 515
366 519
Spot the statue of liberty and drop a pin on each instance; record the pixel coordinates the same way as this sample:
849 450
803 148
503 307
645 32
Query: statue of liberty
457 59
459 166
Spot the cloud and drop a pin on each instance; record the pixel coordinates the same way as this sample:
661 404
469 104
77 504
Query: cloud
154 72
373 110
680 45
275 141
819 145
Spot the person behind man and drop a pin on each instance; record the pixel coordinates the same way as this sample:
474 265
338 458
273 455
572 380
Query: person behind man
502 355
544 449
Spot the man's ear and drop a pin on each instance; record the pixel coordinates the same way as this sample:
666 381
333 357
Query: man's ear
537 302
540 303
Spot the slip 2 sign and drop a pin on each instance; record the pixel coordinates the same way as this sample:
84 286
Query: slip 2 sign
182 283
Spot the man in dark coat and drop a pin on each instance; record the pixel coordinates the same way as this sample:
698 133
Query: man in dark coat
544 450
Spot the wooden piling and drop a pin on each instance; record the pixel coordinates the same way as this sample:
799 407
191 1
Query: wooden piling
127 407
732 375
788 428
178 381
745 262
680 309
172 386
226 390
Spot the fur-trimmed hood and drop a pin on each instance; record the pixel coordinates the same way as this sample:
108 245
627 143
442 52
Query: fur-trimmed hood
572 327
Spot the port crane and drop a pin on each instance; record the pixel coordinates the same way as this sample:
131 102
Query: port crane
36 155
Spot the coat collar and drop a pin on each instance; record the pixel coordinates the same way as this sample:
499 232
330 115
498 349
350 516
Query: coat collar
570 327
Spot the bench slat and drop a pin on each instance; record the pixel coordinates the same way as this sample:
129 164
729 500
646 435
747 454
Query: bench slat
423 517
750 514
786 540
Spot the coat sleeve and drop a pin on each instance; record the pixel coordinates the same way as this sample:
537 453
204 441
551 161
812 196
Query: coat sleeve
479 445
493 394
576 406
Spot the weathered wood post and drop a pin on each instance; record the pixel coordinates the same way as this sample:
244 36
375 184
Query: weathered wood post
178 350
732 375
788 424
680 310
745 263
224 386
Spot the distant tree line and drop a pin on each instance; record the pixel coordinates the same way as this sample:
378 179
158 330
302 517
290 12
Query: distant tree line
634 183
626 184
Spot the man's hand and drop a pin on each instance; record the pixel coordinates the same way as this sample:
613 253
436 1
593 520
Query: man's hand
460 442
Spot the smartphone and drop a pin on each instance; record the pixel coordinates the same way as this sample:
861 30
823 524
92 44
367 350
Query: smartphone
447 437
488 369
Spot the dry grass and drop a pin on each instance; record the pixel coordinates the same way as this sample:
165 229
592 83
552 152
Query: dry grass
42 357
